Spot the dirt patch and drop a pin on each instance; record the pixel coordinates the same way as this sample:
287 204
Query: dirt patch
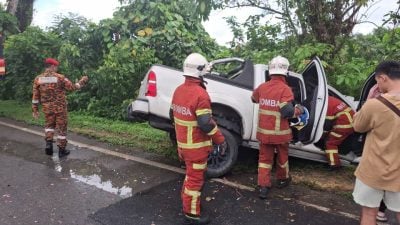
325 180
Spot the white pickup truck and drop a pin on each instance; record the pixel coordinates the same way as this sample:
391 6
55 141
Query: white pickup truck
230 85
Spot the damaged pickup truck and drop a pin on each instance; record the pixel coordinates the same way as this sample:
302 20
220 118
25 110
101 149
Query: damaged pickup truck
230 85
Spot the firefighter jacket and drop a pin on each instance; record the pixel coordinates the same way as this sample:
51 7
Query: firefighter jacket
49 90
271 97
338 115
189 102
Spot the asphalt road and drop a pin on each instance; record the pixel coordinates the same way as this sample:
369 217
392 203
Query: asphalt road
95 188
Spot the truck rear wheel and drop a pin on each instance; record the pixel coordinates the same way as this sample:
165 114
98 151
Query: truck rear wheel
219 165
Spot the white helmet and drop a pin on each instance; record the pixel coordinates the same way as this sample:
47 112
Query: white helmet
195 65
278 66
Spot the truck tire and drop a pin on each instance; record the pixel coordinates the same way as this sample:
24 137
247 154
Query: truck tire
219 165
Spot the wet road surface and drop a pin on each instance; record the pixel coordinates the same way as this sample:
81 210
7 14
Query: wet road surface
93 188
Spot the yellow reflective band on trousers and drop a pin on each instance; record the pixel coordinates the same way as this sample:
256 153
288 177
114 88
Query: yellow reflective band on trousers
195 197
277 130
264 165
330 152
190 145
198 166
200 112
286 167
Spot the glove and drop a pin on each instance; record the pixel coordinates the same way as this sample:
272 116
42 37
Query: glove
302 119
221 148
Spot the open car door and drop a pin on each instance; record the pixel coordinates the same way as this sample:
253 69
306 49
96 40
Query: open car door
316 102
369 83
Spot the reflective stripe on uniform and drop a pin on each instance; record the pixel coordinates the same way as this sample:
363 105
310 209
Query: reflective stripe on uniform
195 196
62 137
264 165
330 117
281 105
48 130
189 125
194 145
203 111
198 166
35 101
347 113
274 132
213 131
335 134
277 130
185 123
343 126
286 167
269 112
330 152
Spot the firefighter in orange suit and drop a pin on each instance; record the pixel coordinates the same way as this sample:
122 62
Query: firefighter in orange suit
275 99
338 126
196 132
49 91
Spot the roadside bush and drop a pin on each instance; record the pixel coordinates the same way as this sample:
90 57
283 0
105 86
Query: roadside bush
25 54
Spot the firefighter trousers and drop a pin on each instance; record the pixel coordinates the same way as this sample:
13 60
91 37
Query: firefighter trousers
266 160
192 186
56 121
334 139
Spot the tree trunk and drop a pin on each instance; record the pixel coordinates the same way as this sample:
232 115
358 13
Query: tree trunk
12 6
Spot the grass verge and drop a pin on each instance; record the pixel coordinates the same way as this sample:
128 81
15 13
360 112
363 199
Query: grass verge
136 135
142 136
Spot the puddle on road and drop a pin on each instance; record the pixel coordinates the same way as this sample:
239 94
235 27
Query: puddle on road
94 179
112 174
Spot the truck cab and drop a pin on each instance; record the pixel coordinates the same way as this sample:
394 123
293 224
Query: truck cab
230 84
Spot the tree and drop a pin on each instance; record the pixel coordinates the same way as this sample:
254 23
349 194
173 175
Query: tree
323 21
23 10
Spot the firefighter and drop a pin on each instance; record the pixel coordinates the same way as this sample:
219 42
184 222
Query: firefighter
49 90
338 126
275 99
196 132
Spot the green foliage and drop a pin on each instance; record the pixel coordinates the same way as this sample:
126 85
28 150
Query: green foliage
25 54
171 27
119 78
8 23
137 135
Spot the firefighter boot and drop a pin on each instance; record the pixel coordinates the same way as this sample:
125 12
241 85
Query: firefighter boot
281 183
196 220
263 192
62 152
49 148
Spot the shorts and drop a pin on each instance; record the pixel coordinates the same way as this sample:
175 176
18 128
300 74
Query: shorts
367 196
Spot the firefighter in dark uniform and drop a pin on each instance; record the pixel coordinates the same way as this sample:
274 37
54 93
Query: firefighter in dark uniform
275 99
49 90
196 132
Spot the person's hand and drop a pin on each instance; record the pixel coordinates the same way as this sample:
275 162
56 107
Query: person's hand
84 80
222 148
35 115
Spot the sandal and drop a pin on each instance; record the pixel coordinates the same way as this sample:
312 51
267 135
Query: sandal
381 217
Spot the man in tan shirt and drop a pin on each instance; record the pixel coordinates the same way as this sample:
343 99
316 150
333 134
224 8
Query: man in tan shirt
378 174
